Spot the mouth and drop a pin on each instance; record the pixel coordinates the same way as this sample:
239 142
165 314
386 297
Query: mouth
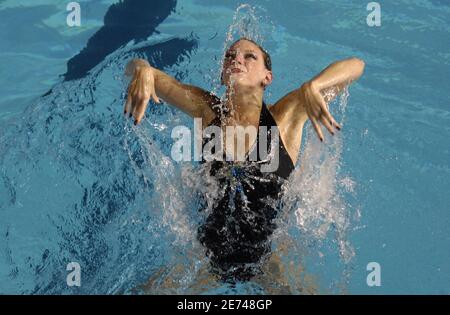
236 70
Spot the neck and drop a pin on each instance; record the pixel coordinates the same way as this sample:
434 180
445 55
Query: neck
243 105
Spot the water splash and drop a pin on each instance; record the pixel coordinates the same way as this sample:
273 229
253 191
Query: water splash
315 193
247 23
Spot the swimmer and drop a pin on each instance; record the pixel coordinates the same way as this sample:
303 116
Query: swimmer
236 233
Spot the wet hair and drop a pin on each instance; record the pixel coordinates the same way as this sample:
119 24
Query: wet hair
266 56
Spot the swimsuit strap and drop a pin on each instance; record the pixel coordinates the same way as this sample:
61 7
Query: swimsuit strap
286 165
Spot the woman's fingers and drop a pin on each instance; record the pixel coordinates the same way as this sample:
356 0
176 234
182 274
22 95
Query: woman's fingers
140 91
128 103
317 110
338 126
326 112
154 97
332 121
317 127
137 104
327 124
140 111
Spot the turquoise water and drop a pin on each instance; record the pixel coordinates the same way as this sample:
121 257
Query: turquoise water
78 183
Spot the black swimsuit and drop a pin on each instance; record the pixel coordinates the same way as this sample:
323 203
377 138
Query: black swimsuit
236 232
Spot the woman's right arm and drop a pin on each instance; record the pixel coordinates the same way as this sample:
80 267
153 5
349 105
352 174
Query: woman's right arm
148 82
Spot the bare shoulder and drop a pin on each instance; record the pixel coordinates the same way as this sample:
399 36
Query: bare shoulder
276 113
288 110
290 118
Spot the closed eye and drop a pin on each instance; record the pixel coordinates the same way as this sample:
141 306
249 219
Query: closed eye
229 55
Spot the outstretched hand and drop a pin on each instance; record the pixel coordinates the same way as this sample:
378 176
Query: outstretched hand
317 109
140 90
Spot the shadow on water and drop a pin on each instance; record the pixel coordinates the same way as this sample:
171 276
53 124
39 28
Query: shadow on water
125 21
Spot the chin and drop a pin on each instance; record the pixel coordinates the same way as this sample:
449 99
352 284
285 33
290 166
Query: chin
237 83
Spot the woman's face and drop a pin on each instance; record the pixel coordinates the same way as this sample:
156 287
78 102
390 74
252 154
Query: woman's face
244 66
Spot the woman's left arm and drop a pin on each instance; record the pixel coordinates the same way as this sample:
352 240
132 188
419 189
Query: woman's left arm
312 95
310 101
338 75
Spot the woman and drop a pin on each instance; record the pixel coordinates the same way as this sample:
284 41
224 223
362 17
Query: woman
236 232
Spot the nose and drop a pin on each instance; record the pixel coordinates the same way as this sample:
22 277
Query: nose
238 58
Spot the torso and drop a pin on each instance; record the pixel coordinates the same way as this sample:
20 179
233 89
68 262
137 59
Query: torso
237 231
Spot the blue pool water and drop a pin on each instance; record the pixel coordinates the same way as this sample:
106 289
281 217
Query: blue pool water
79 183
